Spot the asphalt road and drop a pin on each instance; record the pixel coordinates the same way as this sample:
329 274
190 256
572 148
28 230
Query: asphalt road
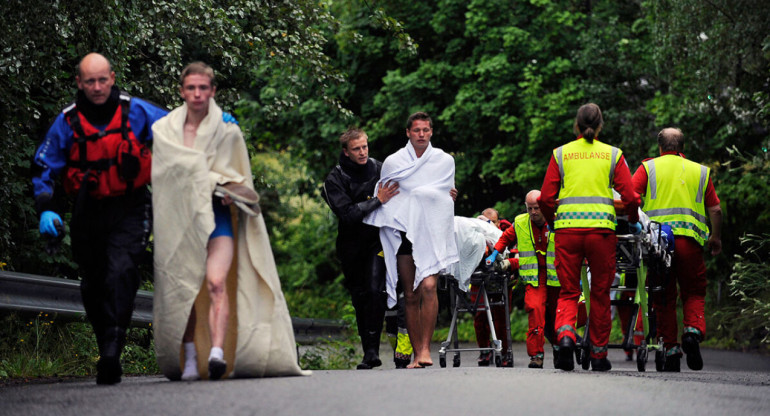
731 383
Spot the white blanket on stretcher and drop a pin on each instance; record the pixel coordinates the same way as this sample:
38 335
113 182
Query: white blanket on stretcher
423 209
473 237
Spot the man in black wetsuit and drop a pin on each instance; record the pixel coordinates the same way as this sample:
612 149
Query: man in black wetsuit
349 192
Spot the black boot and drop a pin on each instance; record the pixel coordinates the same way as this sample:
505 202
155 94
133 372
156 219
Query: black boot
672 364
691 347
364 364
600 364
566 359
372 354
370 343
108 369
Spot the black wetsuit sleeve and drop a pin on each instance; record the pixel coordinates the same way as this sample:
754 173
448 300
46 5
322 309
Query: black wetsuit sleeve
337 195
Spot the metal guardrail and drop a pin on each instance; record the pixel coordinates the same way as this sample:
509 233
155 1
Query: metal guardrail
53 295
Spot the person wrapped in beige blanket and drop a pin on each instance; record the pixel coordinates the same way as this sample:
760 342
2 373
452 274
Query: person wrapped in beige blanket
200 167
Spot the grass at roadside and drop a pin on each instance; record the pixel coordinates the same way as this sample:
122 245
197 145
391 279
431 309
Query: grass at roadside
43 346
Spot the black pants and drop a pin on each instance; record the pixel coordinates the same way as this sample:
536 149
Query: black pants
109 240
364 272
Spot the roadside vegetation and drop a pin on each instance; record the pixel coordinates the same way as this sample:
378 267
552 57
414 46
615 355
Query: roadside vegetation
44 346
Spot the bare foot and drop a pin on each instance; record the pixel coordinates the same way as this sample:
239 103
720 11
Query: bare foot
414 365
424 360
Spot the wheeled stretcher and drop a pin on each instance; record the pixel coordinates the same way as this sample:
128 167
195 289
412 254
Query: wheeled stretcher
487 282
644 259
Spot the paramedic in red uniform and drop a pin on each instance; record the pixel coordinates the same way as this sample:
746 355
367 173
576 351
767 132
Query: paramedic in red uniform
581 174
680 193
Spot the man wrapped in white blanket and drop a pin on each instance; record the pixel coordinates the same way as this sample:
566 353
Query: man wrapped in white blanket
417 229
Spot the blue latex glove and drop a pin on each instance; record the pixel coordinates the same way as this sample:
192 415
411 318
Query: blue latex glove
228 118
635 228
48 221
669 235
491 258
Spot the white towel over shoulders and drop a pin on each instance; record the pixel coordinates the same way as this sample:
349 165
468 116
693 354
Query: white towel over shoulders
423 209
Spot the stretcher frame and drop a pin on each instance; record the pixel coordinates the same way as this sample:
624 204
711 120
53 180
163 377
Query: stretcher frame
488 281
637 254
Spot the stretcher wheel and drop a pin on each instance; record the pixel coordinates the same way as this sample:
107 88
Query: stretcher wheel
641 359
442 362
660 359
585 360
456 361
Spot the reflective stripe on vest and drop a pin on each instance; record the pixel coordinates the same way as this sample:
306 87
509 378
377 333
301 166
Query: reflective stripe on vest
587 174
528 266
675 195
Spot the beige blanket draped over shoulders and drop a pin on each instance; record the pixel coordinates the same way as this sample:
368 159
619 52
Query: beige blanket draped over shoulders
183 182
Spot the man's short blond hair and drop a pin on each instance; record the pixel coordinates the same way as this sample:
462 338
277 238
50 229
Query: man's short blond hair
352 134
197 68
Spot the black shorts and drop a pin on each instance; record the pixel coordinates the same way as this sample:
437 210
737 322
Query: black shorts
406 246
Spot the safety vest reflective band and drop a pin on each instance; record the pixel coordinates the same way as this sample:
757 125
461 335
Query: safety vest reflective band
107 162
675 195
587 172
528 267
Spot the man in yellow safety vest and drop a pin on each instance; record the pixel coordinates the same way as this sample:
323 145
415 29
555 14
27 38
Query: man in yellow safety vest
537 271
680 193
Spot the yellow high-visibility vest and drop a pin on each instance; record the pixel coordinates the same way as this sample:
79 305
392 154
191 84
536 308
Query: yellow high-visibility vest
676 192
528 268
587 171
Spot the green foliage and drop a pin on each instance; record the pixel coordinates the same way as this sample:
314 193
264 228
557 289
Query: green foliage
302 232
44 346
334 354
329 355
324 300
139 353
750 284
741 320
519 325
269 49
465 330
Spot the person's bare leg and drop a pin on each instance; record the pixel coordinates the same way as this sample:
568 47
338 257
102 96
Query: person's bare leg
406 271
220 256
428 315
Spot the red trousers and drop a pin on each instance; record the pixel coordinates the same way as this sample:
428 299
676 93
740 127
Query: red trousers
599 249
499 315
689 271
540 305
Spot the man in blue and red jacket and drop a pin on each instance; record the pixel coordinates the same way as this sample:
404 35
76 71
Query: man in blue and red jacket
99 144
